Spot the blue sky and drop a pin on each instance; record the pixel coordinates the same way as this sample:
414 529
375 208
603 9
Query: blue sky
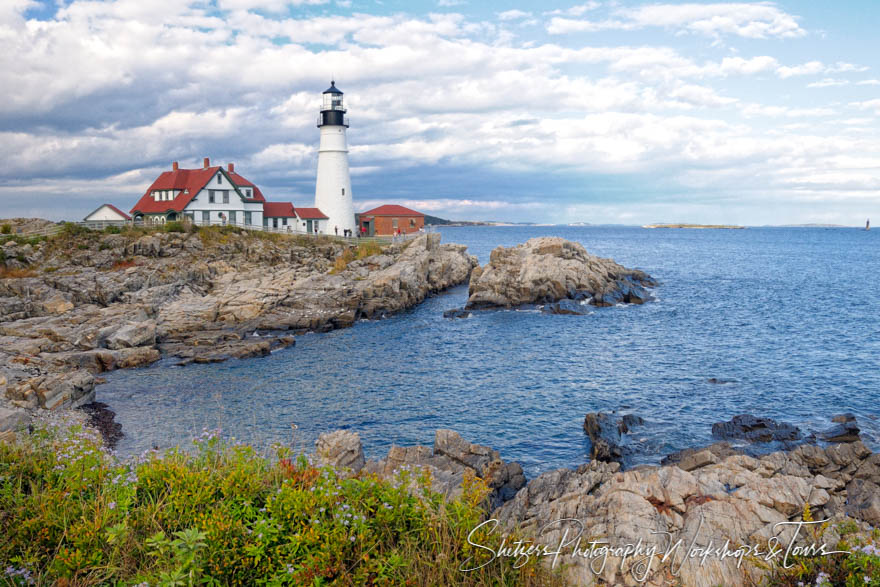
596 111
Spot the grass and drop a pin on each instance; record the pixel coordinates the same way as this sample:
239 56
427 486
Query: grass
7 273
72 514
363 250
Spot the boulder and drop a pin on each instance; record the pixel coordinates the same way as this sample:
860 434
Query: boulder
132 334
10 421
694 458
606 434
755 429
548 269
341 449
456 313
845 429
863 501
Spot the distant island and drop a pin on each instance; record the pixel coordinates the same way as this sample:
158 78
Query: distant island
436 221
717 226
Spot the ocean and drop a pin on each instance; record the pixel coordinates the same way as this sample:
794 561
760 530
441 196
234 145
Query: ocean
789 316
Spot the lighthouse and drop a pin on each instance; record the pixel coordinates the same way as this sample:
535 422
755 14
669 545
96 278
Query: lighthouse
333 187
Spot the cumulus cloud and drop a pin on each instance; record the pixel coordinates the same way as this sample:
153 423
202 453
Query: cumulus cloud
107 94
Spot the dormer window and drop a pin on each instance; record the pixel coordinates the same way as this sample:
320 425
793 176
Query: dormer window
219 178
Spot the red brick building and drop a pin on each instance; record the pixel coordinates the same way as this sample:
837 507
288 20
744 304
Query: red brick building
387 220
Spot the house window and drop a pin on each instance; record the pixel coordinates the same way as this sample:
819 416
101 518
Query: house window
265 222
412 222
232 217
394 223
211 196
248 192
225 196
247 218
285 221
206 217
219 178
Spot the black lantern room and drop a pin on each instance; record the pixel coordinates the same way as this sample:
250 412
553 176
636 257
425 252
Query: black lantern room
332 110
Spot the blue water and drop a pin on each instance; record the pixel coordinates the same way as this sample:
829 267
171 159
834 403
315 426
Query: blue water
790 315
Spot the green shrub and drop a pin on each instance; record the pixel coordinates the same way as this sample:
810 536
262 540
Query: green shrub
224 515
860 567
73 229
112 229
175 226
6 229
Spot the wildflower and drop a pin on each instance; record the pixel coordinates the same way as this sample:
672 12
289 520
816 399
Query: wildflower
352 538
112 505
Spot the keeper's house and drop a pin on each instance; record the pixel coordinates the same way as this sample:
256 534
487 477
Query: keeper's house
213 195
389 219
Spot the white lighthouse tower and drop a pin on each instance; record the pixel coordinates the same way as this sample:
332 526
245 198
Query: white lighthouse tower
333 188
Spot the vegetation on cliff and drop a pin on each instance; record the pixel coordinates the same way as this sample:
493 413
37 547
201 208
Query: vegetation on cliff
222 514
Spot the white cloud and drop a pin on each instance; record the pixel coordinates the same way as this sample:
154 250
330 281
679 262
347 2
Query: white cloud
513 15
577 10
267 5
869 82
758 21
828 83
113 86
809 68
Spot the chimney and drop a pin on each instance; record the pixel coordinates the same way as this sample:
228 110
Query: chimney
206 163
174 166
231 167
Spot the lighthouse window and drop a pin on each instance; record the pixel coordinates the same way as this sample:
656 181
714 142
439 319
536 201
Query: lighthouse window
343 191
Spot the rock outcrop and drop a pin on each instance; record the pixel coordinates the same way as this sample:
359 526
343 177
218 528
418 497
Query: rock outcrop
548 269
92 302
607 435
449 461
740 498
756 429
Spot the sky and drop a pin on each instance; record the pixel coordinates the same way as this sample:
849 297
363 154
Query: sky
551 112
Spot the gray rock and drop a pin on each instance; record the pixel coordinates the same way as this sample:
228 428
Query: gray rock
548 269
846 429
456 313
863 501
133 334
607 435
11 420
755 429
341 449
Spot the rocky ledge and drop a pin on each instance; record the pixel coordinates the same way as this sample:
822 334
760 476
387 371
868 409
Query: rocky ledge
82 303
546 270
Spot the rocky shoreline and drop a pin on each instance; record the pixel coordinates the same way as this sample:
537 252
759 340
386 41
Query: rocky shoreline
738 498
81 304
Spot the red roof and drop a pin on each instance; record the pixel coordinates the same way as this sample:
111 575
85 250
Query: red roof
391 210
189 182
310 213
278 210
112 207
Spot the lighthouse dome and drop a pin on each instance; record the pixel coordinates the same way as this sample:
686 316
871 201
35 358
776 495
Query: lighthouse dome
333 89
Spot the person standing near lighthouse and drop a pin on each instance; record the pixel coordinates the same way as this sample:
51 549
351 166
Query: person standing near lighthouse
333 187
